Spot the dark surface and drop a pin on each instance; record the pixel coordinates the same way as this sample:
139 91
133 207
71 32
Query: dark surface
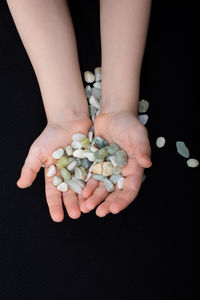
138 253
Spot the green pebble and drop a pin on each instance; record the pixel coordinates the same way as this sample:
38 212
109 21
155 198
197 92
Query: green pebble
62 162
99 177
79 162
70 159
65 174
109 186
57 180
113 148
143 106
85 163
121 158
116 170
85 142
100 142
84 173
115 178
100 154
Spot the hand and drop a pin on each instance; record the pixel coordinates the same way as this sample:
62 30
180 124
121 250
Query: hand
54 136
125 129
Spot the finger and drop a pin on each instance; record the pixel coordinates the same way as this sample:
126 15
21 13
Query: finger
54 200
30 169
71 202
90 187
142 150
82 204
97 197
104 208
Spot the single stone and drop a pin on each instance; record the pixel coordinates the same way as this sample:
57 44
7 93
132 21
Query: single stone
98 168
51 171
97 85
72 165
79 153
192 163
65 174
78 173
97 73
85 163
89 175
81 183
78 137
88 154
94 102
88 91
107 168
113 148
99 177
58 153
100 142
121 158
70 159
93 149
92 111
96 93
76 145
108 157
160 142
182 149
115 178
69 150
143 106
109 185
62 162
116 170
89 77
57 180
143 118
100 154
74 186
85 142
90 136
114 160
79 162
62 187
120 183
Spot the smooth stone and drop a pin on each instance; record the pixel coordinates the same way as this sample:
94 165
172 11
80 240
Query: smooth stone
89 175
108 157
113 148
116 170
51 171
89 155
76 145
94 149
90 136
92 111
78 173
100 154
109 186
143 119
89 77
114 160
100 142
74 186
192 163
62 187
57 180
79 162
120 183
94 102
107 168
62 162
70 159
96 93
182 149
98 168
78 137
121 158
97 85
58 153
85 163
79 153
65 174
99 177
81 183
160 142
72 165
85 142
97 73
143 106
88 91
69 150
115 178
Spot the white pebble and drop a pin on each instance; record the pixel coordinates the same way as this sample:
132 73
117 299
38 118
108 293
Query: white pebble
72 165
78 137
143 118
51 171
90 136
89 155
81 183
79 153
89 77
76 145
97 85
113 161
160 142
97 72
57 180
62 187
74 186
120 183
94 102
69 150
93 148
88 91
192 163
78 173
58 153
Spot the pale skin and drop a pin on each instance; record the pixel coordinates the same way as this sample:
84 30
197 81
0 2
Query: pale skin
47 33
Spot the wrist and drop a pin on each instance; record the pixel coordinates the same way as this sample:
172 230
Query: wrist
63 117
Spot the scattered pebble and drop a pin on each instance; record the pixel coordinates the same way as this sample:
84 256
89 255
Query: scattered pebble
143 106
143 118
192 163
88 91
182 149
160 142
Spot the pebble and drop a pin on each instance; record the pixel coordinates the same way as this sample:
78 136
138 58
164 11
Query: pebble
76 145
120 183
143 106
85 163
113 148
58 153
100 142
115 178
79 162
81 183
51 171
182 149
69 150
92 111
79 153
97 85
89 155
113 160
89 77
100 154
116 170
65 174
62 162
160 142
78 173
143 118
88 91
121 158
94 102
62 187
90 136
72 165
74 186
78 137
98 168
109 186
96 93
107 168
97 73
99 177
57 180
192 163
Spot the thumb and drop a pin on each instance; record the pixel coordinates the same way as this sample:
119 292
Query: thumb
30 168
142 150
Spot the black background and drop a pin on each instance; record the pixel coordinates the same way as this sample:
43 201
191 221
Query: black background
141 252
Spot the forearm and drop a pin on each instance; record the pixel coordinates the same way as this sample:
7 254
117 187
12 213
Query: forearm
47 33
124 26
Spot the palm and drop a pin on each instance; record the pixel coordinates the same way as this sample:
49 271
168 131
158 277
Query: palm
126 130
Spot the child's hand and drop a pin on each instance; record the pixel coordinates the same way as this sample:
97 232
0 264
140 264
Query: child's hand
54 136
124 129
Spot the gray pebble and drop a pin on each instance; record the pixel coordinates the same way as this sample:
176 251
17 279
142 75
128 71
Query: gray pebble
182 149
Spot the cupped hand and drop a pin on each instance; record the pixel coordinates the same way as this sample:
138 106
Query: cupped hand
125 129
53 137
